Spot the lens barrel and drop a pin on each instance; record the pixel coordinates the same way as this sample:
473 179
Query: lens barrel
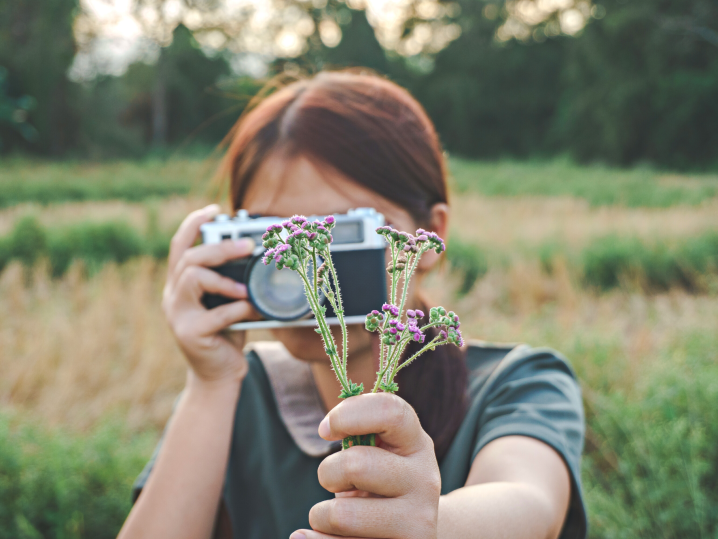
277 294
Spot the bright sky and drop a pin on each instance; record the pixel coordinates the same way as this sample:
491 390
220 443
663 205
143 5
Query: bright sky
111 36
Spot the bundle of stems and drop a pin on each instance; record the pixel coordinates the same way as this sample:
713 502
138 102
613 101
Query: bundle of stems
303 246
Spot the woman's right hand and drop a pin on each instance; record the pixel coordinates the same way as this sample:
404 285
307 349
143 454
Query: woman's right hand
213 355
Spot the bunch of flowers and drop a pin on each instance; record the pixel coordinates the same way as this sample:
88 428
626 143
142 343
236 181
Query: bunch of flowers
303 246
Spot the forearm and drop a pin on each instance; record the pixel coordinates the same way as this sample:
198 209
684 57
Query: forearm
496 510
182 494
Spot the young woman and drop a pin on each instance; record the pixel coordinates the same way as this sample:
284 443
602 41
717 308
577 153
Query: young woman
481 442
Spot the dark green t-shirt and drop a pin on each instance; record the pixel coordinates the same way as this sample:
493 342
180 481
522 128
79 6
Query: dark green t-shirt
271 481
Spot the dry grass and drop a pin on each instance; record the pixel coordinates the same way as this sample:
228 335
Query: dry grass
170 212
74 350
498 222
502 221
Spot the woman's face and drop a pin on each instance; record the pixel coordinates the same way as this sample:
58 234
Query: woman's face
285 187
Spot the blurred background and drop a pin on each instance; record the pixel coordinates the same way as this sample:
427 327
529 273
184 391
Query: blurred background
582 139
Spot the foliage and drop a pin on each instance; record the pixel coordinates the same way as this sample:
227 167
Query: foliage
650 462
13 111
37 47
44 183
93 243
55 484
611 260
491 99
469 261
599 185
604 263
640 85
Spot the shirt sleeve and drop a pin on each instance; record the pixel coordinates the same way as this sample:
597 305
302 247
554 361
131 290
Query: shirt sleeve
537 395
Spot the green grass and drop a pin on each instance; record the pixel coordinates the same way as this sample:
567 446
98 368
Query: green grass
60 485
51 182
603 264
650 463
649 467
22 180
599 185
93 243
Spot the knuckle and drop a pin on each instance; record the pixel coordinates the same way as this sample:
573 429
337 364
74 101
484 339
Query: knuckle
339 517
353 464
395 411
189 276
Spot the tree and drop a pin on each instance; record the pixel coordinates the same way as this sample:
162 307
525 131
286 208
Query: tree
37 48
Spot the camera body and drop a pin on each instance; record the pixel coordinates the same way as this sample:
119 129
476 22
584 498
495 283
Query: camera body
357 251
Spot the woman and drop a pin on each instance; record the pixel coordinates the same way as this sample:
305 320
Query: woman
481 442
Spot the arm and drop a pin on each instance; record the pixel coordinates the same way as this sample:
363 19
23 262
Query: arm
181 497
518 487
182 494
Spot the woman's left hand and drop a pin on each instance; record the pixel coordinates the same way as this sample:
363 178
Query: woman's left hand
390 491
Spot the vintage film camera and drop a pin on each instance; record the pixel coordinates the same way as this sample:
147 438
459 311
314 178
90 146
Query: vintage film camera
278 295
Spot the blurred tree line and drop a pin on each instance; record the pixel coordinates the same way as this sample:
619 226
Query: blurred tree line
639 83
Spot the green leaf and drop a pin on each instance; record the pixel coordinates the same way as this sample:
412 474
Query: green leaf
354 390
389 388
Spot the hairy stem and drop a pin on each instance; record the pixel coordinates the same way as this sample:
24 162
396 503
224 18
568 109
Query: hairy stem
324 328
339 312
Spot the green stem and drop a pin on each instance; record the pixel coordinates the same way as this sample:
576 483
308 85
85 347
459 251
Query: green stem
431 345
339 312
324 328
314 257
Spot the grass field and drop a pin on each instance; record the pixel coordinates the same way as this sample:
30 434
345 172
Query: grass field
88 365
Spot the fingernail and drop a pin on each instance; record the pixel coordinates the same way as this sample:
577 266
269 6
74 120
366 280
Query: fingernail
324 428
211 209
244 243
241 288
297 535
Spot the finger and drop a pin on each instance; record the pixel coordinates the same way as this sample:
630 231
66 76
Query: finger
311 534
368 469
219 318
187 233
215 254
370 517
195 281
381 413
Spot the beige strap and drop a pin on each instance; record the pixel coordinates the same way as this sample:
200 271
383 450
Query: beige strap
296 395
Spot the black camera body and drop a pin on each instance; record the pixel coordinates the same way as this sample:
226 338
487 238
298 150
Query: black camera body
357 251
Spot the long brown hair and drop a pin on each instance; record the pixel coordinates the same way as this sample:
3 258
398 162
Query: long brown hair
376 134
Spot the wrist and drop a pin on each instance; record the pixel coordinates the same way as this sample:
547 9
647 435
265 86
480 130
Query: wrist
225 388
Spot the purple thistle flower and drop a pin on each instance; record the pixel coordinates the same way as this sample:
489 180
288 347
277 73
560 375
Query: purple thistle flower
386 307
420 232
422 238
411 313
299 219
419 337
269 256
392 331
443 335
419 314
393 322
400 326
311 236
375 312
330 220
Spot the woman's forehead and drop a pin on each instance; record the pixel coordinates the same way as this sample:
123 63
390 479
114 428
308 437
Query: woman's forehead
285 187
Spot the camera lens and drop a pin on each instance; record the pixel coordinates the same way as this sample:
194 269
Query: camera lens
276 294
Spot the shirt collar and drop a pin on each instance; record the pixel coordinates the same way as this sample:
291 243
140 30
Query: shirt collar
298 401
